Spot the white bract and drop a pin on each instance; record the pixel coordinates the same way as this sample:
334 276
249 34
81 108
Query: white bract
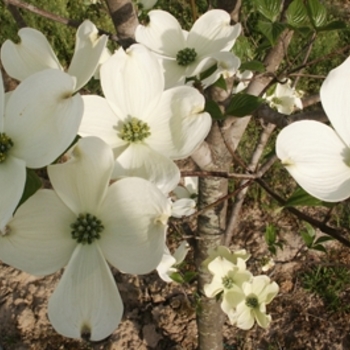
245 306
224 252
147 4
147 127
316 155
169 262
38 122
284 98
244 78
184 204
226 276
34 54
187 54
83 223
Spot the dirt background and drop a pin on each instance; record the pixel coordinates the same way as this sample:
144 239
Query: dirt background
162 316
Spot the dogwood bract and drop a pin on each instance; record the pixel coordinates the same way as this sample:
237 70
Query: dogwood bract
245 306
316 155
83 223
186 54
34 54
38 122
146 126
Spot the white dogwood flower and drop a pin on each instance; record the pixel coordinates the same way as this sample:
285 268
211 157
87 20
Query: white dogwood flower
244 80
83 223
186 54
226 276
284 98
147 127
316 155
245 306
38 122
168 264
147 4
34 53
184 204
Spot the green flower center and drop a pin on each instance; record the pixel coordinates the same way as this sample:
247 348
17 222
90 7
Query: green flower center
228 282
135 131
276 101
252 302
186 56
86 228
5 145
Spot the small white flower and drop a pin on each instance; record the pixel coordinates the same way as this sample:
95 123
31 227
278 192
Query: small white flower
226 276
168 264
285 99
243 84
245 306
146 126
38 122
316 155
268 264
224 252
83 223
34 54
186 54
182 207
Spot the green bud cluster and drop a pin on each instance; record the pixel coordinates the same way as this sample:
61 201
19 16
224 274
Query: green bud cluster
186 56
5 145
228 282
135 130
252 302
86 229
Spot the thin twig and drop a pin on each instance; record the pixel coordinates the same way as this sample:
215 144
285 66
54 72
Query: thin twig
222 174
54 17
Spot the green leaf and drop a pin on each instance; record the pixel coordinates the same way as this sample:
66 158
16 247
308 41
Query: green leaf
296 13
317 13
33 183
176 277
270 234
323 239
207 73
269 8
189 276
221 83
334 25
243 104
320 248
256 66
307 238
271 31
301 197
214 110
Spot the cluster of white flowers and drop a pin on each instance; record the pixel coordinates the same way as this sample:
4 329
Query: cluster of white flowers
110 200
243 296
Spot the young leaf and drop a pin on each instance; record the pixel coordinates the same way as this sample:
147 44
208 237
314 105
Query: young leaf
323 239
307 238
176 277
300 197
317 13
256 66
334 25
221 83
270 234
214 110
320 248
296 13
271 30
269 8
243 104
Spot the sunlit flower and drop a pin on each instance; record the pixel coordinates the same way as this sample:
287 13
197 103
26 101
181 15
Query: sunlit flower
284 98
186 54
226 276
34 54
224 252
245 306
184 203
38 122
169 262
316 155
83 223
147 127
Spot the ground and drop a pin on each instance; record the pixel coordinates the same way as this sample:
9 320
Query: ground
162 316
